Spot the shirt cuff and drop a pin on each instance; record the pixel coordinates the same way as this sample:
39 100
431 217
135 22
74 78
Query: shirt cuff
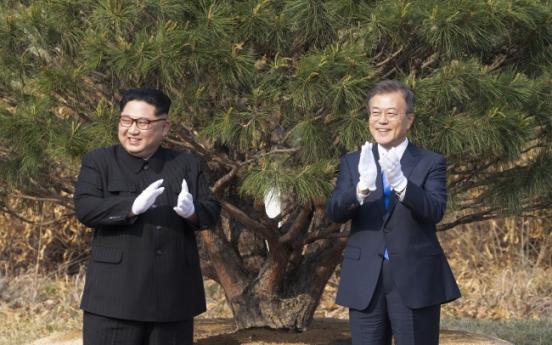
400 195
360 197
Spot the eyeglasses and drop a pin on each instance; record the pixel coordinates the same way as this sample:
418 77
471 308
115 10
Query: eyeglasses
141 123
390 115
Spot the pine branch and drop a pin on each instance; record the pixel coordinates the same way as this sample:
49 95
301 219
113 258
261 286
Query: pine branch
389 58
296 227
243 218
320 234
209 155
226 178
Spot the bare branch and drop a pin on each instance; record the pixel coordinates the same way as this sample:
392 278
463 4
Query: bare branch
296 226
21 196
243 218
11 212
326 233
391 57
225 178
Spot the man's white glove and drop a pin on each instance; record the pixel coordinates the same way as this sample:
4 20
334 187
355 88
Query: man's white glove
147 197
391 165
367 168
185 204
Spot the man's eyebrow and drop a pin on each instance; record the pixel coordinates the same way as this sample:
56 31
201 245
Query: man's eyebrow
137 118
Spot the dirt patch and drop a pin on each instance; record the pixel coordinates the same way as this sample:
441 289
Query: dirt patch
324 331
222 332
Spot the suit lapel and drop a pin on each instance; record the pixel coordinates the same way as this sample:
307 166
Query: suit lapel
409 160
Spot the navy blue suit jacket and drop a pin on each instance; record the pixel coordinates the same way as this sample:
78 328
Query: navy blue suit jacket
420 269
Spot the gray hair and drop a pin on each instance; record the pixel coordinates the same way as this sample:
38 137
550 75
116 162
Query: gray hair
390 86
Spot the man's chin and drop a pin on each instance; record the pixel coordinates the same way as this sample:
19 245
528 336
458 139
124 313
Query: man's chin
135 152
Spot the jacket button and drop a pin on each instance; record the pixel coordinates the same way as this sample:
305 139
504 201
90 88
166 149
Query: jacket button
386 230
158 252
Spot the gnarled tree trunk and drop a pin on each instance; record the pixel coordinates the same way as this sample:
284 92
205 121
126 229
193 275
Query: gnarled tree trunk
273 277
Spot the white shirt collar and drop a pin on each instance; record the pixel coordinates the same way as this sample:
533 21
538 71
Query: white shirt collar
400 148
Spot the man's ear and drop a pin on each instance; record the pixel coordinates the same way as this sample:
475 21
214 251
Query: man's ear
166 127
410 117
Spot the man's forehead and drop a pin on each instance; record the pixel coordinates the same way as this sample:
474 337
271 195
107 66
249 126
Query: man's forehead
136 109
390 98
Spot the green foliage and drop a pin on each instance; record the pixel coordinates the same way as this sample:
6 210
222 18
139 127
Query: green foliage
277 88
271 177
270 93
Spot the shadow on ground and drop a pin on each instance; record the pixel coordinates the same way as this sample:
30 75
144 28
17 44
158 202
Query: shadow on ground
321 332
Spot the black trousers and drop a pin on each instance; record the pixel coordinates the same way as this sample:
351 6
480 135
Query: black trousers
387 316
101 330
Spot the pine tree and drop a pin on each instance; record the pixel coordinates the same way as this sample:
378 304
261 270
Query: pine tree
269 94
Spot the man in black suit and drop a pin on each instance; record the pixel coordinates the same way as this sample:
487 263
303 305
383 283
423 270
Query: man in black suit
395 275
144 283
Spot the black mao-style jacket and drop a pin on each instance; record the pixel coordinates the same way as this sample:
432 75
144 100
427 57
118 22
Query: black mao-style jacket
145 268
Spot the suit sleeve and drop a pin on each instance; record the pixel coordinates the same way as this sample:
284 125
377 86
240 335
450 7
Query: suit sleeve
343 204
92 208
429 201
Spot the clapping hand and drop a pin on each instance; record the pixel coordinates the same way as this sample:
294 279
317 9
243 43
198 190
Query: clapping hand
185 204
367 168
147 197
391 165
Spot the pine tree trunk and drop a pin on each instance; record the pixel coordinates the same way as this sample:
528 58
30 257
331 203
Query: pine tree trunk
286 290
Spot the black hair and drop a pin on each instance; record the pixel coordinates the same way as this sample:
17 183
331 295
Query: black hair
157 98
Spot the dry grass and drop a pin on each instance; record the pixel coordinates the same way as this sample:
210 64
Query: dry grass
34 306
503 268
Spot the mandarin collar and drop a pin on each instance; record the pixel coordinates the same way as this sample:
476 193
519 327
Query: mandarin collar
135 164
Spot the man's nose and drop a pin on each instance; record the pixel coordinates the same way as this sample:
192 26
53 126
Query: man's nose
383 119
134 127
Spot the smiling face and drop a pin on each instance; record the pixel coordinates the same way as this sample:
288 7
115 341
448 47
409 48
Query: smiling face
142 142
388 132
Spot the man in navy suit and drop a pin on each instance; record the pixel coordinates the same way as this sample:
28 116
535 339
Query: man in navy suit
395 275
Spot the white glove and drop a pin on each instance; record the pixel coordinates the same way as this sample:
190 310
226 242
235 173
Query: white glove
147 197
367 168
391 166
185 204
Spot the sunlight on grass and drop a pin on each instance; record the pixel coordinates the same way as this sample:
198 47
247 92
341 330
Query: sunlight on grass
518 332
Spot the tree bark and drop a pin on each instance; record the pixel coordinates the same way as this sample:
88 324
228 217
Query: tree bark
276 286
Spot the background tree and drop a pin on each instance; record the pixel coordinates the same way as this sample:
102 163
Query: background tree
269 94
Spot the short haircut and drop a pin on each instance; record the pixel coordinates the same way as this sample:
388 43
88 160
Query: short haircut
157 98
390 86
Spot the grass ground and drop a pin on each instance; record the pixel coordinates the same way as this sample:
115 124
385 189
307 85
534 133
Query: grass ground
503 270
518 332
33 307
